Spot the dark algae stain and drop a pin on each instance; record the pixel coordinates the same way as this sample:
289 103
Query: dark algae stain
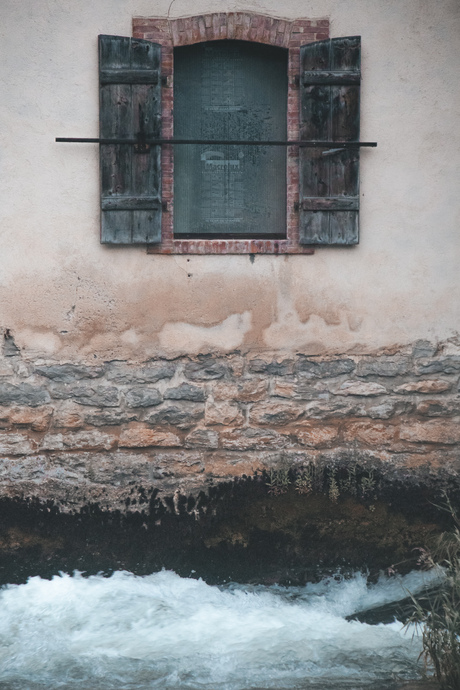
286 527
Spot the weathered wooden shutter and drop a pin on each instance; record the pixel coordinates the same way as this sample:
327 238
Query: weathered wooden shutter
130 107
329 178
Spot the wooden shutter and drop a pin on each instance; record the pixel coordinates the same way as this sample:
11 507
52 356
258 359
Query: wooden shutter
130 106
329 178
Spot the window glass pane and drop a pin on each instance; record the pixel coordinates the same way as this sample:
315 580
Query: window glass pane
230 90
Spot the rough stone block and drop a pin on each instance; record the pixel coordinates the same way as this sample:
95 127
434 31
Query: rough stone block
284 368
96 396
67 373
386 409
317 436
205 370
284 388
37 419
439 408
6 369
370 433
445 365
252 439
383 366
16 444
432 431
202 438
246 390
186 392
184 415
223 413
359 388
143 397
426 386
423 348
326 368
148 373
100 396
329 408
23 394
309 389
68 415
110 417
143 437
79 440
278 413
236 365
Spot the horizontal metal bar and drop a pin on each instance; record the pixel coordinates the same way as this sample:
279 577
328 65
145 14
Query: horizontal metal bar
218 142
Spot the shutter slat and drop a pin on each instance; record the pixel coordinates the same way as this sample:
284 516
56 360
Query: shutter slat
128 76
329 184
328 77
130 105
324 203
130 203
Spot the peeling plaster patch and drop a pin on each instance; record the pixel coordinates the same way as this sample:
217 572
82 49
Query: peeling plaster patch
289 332
45 342
354 322
226 336
130 337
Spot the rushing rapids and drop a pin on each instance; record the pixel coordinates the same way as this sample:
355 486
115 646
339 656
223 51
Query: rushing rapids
165 631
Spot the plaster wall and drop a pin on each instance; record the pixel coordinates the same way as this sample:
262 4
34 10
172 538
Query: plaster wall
64 296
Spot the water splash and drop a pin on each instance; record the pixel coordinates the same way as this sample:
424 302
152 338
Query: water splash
164 631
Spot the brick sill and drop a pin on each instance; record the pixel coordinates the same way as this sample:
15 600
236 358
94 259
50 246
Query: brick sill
229 247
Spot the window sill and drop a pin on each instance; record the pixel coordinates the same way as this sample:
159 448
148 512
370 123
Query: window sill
228 247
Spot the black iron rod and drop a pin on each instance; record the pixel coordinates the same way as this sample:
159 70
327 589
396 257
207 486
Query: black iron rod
220 142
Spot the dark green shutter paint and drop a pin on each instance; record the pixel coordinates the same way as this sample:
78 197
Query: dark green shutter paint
230 90
130 104
329 111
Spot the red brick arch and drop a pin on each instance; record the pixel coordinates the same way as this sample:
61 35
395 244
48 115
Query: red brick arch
244 26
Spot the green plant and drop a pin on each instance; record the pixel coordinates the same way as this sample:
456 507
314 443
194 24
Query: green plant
440 620
368 484
304 482
333 487
278 482
349 485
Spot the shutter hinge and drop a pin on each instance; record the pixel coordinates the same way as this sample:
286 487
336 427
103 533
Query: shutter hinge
296 80
296 206
164 206
164 80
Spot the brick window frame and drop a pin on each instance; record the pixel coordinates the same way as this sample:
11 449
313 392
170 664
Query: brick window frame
244 26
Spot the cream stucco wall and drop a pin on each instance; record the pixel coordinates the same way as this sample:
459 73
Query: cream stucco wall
63 295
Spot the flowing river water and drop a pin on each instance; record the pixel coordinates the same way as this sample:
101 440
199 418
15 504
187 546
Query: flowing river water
164 631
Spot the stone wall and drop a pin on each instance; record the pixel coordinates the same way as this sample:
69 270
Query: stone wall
108 432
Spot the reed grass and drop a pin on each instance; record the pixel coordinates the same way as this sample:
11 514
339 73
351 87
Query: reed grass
439 622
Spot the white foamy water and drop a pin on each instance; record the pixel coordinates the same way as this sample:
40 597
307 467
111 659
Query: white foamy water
164 631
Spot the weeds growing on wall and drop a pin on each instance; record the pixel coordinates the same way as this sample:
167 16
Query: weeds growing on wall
440 620
335 482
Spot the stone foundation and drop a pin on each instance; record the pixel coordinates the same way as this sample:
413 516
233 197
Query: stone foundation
79 433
